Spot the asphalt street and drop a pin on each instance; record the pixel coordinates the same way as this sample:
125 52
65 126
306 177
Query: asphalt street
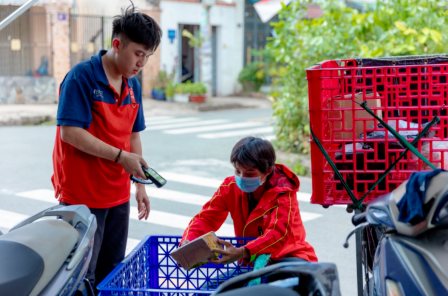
192 153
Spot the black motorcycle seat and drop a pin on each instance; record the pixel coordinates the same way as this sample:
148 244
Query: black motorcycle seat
261 290
20 273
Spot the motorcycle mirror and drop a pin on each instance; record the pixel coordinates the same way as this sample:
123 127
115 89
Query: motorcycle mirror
360 226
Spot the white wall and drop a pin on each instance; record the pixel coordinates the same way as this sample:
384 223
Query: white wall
229 42
106 8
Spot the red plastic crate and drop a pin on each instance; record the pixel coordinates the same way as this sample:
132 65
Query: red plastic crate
407 93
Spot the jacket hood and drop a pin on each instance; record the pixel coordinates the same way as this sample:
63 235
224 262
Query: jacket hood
283 179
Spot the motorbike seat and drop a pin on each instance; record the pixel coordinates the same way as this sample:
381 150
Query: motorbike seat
46 243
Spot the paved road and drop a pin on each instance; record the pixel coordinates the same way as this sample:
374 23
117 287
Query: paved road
192 153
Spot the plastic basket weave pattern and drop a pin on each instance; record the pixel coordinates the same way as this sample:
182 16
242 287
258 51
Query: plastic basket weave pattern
404 92
149 270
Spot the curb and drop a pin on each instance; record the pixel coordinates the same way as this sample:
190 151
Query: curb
28 119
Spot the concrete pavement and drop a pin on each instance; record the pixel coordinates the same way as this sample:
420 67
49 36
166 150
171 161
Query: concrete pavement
21 114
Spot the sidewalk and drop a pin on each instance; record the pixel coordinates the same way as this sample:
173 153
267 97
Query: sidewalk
16 114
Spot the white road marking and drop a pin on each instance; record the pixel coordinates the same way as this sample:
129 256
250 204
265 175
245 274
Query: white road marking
176 196
172 121
306 216
155 217
177 221
302 196
189 179
261 130
10 219
46 195
131 244
185 124
157 118
212 128
270 137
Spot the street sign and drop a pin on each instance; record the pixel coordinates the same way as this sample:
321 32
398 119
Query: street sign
62 16
171 35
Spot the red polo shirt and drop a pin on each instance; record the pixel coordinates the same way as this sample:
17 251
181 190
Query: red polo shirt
88 101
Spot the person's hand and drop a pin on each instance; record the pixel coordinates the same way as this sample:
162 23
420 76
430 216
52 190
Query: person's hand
142 202
184 242
131 163
229 255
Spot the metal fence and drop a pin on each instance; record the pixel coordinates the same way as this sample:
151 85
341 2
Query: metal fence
88 35
25 44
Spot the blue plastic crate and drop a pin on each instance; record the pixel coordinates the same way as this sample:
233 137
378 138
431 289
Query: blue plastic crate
149 270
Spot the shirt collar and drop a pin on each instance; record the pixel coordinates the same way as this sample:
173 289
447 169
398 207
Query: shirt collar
98 69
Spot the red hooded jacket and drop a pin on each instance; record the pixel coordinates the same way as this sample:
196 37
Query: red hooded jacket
277 213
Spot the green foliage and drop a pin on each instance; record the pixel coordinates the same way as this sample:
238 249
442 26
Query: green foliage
391 28
170 88
193 40
164 79
254 73
181 88
196 88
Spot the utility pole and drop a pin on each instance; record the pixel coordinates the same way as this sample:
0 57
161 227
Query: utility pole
205 56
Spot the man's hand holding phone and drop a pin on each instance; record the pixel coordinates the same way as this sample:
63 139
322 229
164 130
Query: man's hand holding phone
132 163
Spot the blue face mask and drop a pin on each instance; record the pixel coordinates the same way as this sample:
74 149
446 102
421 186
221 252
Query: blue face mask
247 184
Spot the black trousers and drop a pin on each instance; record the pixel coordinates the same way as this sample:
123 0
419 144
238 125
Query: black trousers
109 244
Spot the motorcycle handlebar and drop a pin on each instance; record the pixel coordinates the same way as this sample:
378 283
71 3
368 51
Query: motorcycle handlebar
359 218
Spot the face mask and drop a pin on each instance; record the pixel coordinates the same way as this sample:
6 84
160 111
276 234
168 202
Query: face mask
247 184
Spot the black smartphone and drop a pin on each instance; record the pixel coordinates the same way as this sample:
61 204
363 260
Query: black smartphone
152 175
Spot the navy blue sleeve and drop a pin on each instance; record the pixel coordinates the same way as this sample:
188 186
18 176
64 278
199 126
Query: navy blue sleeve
75 104
139 124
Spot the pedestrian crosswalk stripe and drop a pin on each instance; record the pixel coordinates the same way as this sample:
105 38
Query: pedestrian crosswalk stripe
131 244
172 121
45 195
177 221
261 130
301 196
185 124
176 196
270 137
157 118
189 179
306 216
155 217
213 128
10 219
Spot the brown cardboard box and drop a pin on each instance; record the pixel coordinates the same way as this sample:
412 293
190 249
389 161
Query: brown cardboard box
348 115
197 252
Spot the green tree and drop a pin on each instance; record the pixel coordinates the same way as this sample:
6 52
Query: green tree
390 28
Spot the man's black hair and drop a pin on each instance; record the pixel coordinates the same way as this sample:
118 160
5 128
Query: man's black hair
254 152
137 27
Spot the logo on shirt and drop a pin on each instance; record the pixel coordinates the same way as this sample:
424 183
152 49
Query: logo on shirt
98 93
131 92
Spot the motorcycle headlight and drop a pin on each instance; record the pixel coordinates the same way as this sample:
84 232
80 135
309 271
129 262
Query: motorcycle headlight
393 288
382 217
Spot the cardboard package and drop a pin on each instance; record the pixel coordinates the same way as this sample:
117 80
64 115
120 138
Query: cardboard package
348 115
197 252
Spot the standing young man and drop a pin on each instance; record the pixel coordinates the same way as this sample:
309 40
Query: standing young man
98 145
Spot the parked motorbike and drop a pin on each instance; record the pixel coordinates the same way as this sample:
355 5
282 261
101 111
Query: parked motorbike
408 259
48 253
285 279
